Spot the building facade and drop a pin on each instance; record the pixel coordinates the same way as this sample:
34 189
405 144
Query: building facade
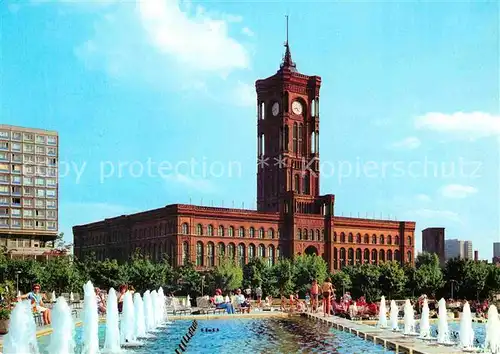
433 241
291 217
28 191
458 249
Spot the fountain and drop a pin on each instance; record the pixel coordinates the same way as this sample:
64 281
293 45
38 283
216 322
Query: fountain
71 297
21 338
90 337
443 331
156 311
492 340
409 319
394 316
164 306
188 302
140 322
112 342
425 328
53 297
382 314
148 312
61 340
127 323
466 331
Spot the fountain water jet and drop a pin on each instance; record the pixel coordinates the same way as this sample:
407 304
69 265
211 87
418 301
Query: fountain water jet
156 312
466 330
492 340
382 314
425 328
140 322
127 324
90 337
112 342
443 330
164 306
53 297
61 340
409 319
394 316
148 312
21 338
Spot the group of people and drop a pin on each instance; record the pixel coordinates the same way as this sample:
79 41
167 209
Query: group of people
240 300
101 298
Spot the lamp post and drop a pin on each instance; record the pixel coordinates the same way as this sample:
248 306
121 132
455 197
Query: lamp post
17 281
202 284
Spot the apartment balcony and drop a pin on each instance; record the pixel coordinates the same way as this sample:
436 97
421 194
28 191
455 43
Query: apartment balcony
38 253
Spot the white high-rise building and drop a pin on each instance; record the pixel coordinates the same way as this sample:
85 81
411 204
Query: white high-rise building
458 249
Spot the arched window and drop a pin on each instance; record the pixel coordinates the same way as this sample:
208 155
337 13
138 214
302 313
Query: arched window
382 239
270 255
306 234
311 234
358 256
286 138
210 254
221 253
261 232
295 136
251 232
270 233
296 184
185 253
389 255
199 230
408 240
334 237
374 256
342 258
299 234
342 237
241 232
351 239
231 251
299 135
408 257
318 237
210 230
261 251
396 240
397 255
278 253
366 239
221 230
241 255
185 228
358 238
389 239
251 251
231 231
278 234
374 239
199 254
350 256
335 258
366 255
306 184
381 256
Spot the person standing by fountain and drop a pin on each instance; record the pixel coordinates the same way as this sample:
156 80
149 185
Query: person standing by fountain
123 290
35 297
101 303
327 290
314 295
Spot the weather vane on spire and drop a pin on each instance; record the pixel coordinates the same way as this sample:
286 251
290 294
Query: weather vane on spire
287 59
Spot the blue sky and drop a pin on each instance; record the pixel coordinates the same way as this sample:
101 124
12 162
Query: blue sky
405 85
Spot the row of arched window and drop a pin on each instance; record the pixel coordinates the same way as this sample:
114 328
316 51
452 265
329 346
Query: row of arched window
209 256
310 235
380 240
231 231
343 257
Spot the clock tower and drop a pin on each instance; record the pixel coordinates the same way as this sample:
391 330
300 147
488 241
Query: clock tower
288 140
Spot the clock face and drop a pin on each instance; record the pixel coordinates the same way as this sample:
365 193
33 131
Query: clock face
275 109
297 107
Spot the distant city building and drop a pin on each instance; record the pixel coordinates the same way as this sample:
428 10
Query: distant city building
433 241
496 249
458 249
476 255
28 191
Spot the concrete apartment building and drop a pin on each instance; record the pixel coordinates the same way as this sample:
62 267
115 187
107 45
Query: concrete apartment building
433 241
28 191
458 249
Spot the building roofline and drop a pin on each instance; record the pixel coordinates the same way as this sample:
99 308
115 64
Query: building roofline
28 130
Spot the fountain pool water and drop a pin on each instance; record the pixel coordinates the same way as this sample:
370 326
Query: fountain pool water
409 319
443 330
112 342
394 316
90 338
382 315
21 338
127 324
425 328
492 341
61 340
466 330
148 312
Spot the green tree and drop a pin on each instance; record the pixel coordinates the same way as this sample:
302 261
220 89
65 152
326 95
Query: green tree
341 281
188 280
306 268
283 273
60 274
454 273
144 274
392 279
476 275
226 276
253 273
428 276
365 281
30 273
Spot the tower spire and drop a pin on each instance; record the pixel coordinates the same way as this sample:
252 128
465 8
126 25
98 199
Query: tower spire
287 58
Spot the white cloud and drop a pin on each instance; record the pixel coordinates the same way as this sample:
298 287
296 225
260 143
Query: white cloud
431 214
200 42
244 94
407 143
423 198
247 31
197 184
457 191
469 125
